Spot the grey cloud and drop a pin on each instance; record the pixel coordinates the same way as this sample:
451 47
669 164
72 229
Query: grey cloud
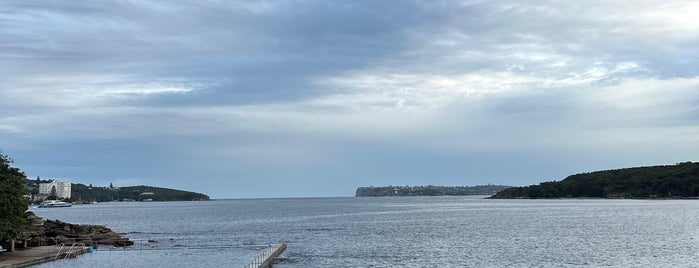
262 52
235 92
264 49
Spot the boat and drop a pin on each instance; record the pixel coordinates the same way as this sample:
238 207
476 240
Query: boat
54 204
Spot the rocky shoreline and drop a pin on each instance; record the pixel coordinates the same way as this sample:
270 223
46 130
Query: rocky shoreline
55 232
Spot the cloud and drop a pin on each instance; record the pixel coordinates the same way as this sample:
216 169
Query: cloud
338 94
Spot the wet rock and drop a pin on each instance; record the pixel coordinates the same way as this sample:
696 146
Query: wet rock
122 243
57 232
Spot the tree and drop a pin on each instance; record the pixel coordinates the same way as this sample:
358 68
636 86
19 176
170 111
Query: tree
673 181
12 201
53 195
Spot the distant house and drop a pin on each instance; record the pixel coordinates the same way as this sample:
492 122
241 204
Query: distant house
62 188
39 197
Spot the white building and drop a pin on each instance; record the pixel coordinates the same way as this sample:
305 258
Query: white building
62 188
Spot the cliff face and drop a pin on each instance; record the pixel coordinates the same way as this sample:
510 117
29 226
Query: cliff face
429 190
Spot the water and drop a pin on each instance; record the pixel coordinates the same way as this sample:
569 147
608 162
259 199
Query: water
396 232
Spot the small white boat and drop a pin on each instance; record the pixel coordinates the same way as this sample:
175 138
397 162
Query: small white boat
54 204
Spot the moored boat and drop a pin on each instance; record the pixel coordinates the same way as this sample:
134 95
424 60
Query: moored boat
54 204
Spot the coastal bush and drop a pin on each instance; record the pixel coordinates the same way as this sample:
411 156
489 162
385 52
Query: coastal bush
672 181
13 204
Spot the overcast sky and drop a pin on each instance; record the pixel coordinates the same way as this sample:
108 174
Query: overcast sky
315 98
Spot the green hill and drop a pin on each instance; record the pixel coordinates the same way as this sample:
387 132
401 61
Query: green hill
81 192
671 181
135 193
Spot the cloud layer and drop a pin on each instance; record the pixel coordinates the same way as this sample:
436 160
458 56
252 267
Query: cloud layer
314 98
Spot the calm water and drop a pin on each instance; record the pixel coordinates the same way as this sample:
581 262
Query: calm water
397 232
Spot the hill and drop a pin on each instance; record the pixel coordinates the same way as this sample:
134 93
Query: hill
670 181
81 192
429 190
135 193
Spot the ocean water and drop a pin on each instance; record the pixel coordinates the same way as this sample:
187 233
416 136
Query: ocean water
395 232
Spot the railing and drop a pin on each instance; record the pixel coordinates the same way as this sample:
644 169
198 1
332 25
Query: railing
178 244
73 249
71 252
266 258
59 251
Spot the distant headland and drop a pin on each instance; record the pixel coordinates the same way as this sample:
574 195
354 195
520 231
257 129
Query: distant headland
429 190
671 181
79 193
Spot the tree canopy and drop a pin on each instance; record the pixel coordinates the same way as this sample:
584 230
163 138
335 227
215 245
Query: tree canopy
12 201
137 193
671 181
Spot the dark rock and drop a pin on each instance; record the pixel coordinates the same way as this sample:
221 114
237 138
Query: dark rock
122 243
57 232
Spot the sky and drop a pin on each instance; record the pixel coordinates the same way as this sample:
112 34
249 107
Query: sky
250 99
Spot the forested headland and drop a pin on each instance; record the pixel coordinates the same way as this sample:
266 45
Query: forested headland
16 222
88 193
670 181
429 190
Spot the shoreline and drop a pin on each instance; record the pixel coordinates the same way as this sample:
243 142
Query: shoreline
594 198
48 240
25 257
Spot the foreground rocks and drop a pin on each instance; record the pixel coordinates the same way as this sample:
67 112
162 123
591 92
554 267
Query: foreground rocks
56 232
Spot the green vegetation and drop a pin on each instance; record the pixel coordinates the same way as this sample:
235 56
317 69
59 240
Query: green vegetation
81 192
13 204
672 181
429 190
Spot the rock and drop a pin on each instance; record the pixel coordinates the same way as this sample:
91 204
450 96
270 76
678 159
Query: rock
122 243
57 232
64 239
